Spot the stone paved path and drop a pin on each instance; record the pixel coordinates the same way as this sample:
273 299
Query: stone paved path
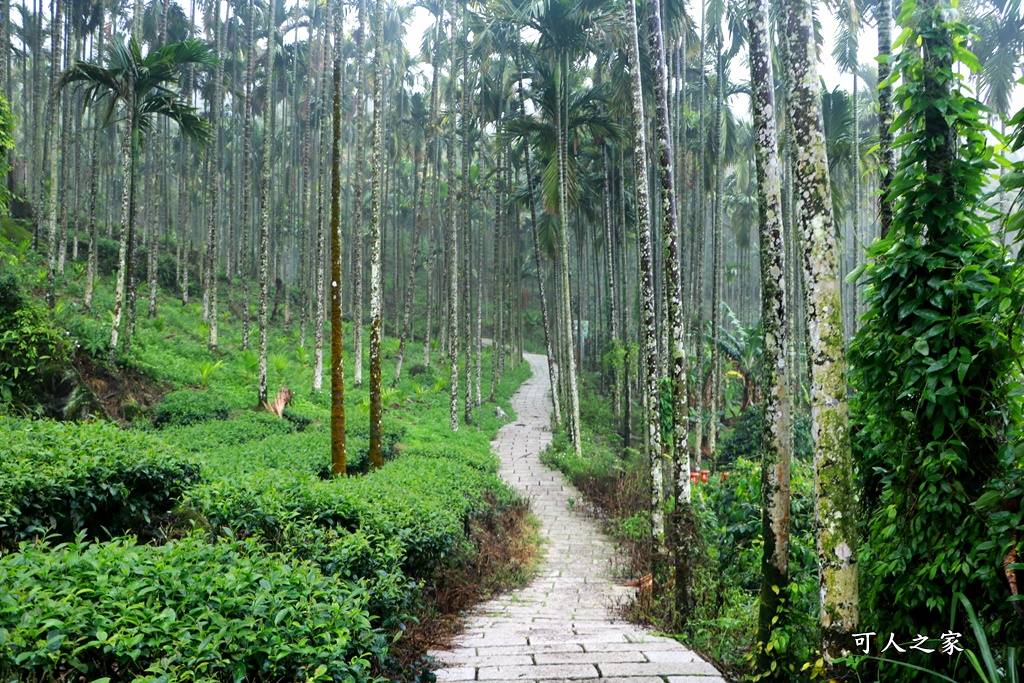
560 628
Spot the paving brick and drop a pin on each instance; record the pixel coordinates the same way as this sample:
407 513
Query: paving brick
560 627
537 672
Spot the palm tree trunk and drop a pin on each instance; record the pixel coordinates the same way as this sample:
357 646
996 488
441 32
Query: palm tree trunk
357 226
155 239
51 132
610 277
453 249
247 180
62 202
650 324
777 424
499 213
376 273
677 538
128 173
210 296
479 318
338 456
94 179
835 518
699 232
569 367
421 203
467 226
717 256
265 199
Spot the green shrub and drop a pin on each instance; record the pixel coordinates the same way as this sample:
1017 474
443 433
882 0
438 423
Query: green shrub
32 348
246 427
63 478
188 610
189 406
744 440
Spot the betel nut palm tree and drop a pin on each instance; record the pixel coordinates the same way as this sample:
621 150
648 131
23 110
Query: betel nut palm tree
139 89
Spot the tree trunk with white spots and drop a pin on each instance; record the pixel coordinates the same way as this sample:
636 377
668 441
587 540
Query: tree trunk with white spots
376 273
649 322
777 424
265 200
835 522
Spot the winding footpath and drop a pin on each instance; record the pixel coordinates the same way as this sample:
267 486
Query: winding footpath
560 627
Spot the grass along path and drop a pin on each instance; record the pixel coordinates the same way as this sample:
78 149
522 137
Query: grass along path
560 626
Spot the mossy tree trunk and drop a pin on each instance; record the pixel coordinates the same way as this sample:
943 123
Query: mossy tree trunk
650 323
376 273
834 515
777 423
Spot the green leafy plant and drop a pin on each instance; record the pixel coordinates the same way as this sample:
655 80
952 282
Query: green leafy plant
31 347
188 406
206 371
64 478
250 365
935 363
983 662
173 612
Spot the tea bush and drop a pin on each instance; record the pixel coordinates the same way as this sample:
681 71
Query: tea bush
188 610
246 427
189 406
63 479
32 347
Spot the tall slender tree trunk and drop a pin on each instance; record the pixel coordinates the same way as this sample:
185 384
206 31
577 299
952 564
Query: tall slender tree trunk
610 276
94 180
127 191
265 209
317 198
421 202
678 535
452 254
465 198
338 455
51 132
548 336
210 297
247 179
717 251
835 521
499 212
376 272
66 155
650 323
562 251
777 424
699 231
357 225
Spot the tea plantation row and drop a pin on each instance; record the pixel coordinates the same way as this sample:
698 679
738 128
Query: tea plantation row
207 541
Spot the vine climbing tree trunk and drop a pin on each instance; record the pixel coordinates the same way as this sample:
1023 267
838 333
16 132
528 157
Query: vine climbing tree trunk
886 155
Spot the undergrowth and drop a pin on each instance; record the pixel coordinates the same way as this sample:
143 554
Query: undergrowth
211 487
